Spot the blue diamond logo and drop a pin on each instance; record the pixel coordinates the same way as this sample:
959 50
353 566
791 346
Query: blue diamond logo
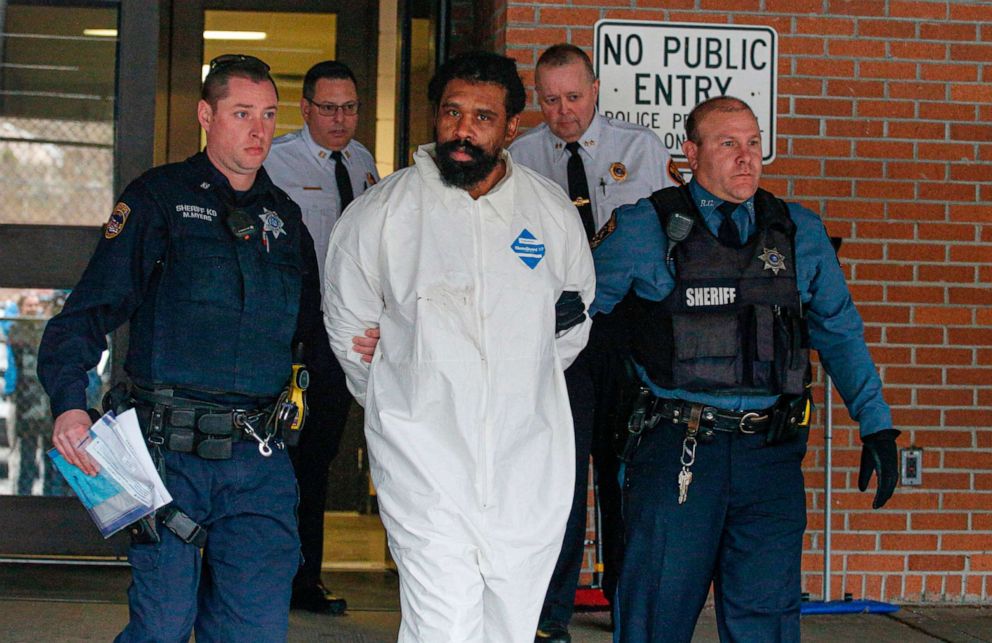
528 248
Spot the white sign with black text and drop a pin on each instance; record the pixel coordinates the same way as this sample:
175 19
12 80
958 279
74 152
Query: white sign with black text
654 73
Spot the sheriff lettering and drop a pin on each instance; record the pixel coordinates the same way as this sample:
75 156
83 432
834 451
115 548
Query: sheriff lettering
196 212
710 296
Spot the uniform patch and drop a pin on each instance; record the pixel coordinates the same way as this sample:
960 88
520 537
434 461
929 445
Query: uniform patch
675 173
528 248
117 220
619 172
604 232
774 260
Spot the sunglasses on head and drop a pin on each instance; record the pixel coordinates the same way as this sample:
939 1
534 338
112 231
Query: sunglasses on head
227 60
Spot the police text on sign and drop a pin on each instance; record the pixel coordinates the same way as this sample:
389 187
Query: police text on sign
654 73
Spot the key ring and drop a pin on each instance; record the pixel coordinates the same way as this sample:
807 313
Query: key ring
688 452
263 445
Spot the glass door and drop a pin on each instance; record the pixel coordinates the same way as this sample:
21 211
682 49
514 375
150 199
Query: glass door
61 159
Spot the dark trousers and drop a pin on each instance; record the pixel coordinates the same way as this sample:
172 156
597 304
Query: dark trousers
238 589
592 382
741 528
328 401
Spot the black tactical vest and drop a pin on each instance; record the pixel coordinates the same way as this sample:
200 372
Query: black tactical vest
733 323
221 314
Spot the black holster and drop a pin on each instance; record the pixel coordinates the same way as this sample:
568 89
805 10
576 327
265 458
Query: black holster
641 417
790 414
145 531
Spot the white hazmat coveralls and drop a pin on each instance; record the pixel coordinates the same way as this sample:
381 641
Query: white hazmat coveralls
466 413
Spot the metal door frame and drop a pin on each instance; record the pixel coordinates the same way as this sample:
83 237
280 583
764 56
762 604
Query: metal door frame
40 256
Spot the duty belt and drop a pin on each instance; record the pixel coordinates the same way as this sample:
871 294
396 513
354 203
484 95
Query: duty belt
711 417
192 426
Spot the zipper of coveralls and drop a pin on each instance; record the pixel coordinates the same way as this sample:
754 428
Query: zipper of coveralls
478 242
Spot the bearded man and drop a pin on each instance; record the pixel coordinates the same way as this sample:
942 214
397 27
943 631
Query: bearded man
460 261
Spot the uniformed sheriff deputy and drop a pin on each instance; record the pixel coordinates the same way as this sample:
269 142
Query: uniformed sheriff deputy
602 164
733 288
322 168
213 268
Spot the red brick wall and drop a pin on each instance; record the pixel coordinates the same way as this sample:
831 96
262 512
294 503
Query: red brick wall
478 24
885 123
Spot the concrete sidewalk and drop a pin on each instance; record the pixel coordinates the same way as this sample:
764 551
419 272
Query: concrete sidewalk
89 603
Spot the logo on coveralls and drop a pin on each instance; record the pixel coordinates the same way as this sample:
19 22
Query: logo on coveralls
528 248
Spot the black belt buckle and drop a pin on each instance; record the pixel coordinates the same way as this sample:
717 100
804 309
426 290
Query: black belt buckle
746 420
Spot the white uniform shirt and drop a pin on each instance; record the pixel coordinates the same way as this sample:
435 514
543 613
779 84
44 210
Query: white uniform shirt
305 171
467 416
623 162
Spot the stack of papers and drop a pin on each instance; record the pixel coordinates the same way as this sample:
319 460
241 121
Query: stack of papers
127 487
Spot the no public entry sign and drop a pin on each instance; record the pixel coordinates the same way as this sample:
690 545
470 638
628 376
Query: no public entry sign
654 73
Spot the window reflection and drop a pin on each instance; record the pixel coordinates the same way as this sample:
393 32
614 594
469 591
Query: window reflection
25 416
56 115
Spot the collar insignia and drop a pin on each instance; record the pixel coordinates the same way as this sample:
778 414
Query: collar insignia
774 260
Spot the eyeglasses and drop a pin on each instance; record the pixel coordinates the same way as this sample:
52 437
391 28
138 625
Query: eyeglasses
245 60
330 109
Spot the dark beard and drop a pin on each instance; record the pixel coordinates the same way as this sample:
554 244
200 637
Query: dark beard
464 174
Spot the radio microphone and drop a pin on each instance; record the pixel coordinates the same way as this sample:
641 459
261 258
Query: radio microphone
678 228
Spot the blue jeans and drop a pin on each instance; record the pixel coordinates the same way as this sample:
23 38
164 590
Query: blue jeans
238 587
741 528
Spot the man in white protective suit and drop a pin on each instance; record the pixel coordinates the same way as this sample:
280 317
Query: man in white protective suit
477 273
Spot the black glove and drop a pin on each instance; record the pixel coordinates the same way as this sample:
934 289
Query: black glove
569 311
879 454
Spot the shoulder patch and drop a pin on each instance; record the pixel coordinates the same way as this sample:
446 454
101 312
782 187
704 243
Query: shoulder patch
674 173
118 218
604 232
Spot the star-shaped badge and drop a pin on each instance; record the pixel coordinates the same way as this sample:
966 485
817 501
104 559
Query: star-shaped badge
774 260
271 223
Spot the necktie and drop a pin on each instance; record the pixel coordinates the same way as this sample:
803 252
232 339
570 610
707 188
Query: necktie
578 188
343 180
729 234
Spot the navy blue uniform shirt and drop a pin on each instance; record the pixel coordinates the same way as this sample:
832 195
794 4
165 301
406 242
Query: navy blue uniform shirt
213 315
